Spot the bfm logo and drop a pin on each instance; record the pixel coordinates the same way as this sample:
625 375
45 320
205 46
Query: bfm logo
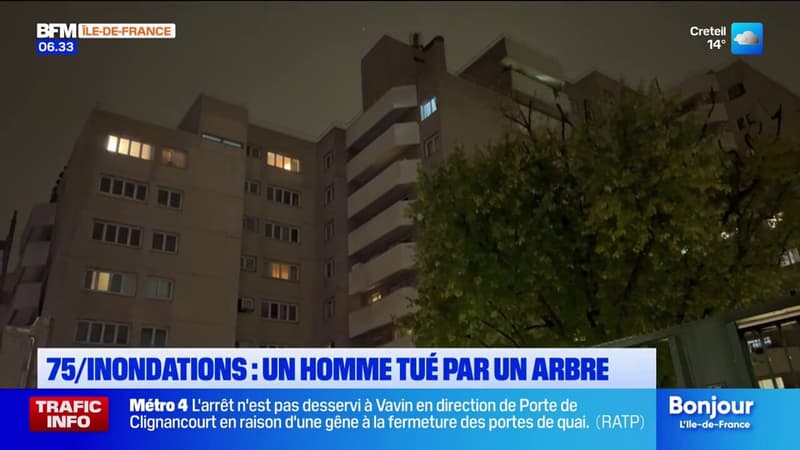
68 414
56 30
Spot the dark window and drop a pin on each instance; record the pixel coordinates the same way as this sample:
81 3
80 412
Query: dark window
135 236
130 189
96 332
141 192
158 241
105 184
111 233
171 244
175 200
122 334
122 235
117 189
97 231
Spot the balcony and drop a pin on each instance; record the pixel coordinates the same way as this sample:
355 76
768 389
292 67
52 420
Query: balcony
27 295
35 254
394 306
365 276
401 173
393 218
375 120
383 150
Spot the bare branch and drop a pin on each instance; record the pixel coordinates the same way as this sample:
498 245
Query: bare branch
501 332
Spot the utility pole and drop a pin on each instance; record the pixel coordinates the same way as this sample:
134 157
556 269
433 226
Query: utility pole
5 247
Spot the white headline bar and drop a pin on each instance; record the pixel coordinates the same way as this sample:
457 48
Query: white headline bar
346 368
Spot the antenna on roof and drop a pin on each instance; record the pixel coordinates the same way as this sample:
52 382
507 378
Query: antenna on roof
415 40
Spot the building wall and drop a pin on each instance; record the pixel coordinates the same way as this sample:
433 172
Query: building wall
253 328
205 267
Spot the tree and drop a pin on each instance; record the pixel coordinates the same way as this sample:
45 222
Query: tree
633 220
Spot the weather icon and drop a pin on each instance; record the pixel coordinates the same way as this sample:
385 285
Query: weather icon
748 38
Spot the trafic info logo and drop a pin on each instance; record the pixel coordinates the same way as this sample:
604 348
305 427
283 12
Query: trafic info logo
68 413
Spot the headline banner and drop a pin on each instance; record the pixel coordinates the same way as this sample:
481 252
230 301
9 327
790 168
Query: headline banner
240 368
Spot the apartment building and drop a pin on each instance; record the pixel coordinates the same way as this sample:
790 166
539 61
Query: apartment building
412 120
221 232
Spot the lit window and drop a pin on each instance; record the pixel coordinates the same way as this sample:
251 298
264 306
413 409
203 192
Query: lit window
283 162
173 158
110 282
153 337
427 108
129 147
283 271
136 149
112 144
159 288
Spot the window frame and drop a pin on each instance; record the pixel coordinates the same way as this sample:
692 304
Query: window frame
243 267
170 192
291 268
165 235
175 151
277 305
103 325
105 225
154 330
124 181
159 278
95 282
118 138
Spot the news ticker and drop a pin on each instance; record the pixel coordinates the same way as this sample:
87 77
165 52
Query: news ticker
624 419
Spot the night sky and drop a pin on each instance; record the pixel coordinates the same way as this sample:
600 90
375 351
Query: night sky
296 66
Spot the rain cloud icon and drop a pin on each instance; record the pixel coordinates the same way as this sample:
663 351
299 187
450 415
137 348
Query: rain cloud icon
746 38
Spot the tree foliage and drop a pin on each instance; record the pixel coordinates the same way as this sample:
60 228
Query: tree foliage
634 220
